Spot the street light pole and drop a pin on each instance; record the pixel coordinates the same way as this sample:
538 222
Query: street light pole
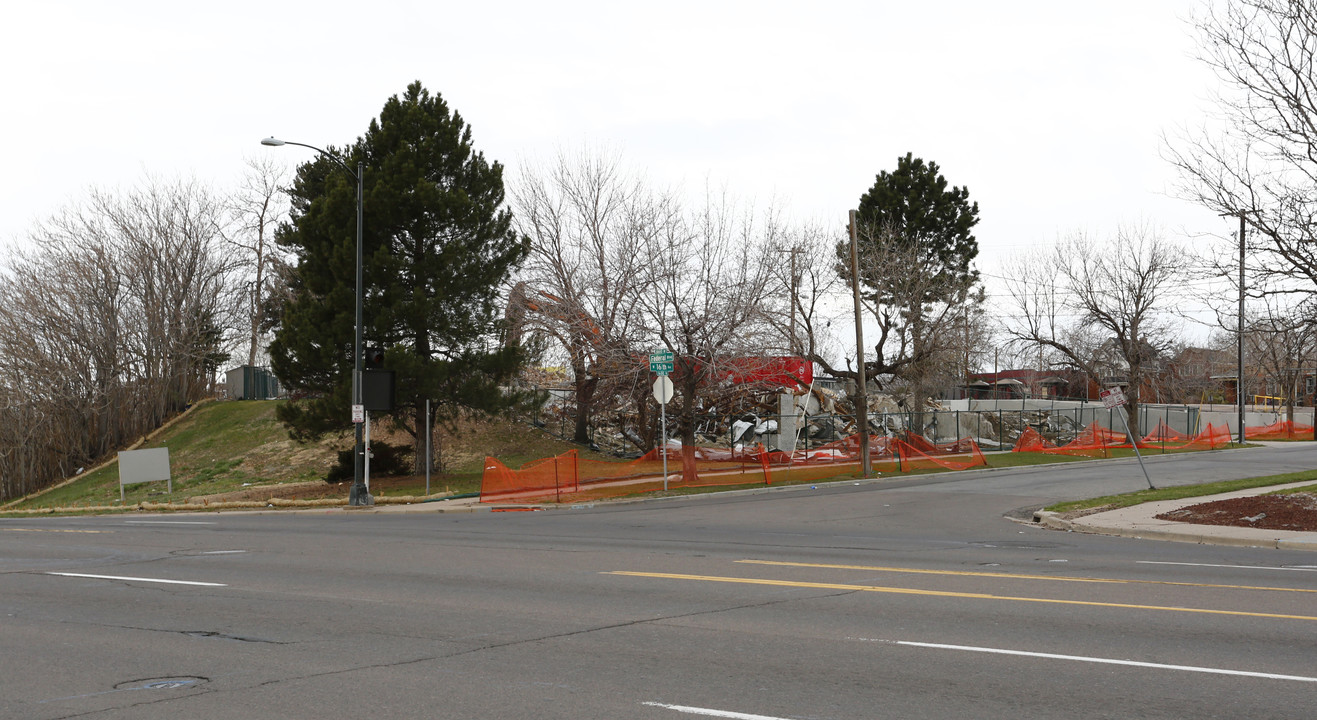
360 494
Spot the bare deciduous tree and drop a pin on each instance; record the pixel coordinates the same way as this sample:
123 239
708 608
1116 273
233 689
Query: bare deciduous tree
585 218
1100 307
707 274
1280 342
258 207
1261 161
920 315
802 303
111 323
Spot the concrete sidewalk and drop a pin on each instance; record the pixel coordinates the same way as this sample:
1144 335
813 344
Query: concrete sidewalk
1140 521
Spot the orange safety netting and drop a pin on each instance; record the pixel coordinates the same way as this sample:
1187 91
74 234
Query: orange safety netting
1164 433
1092 441
1280 430
1166 438
1210 438
1096 440
568 477
959 455
1163 436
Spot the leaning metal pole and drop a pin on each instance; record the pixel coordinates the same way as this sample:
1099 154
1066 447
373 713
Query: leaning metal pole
861 394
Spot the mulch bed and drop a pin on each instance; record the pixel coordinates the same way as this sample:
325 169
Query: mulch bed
1296 511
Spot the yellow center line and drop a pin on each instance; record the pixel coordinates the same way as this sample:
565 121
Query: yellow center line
97 532
943 593
1015 576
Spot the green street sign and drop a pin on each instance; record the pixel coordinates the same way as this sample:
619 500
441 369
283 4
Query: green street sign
660 361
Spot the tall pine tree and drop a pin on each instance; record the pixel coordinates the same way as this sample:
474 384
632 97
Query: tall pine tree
437 247
916 249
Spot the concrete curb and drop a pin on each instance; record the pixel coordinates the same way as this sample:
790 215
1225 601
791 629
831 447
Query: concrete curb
1140 522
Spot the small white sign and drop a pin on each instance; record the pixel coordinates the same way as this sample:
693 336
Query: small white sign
358 413
1112 398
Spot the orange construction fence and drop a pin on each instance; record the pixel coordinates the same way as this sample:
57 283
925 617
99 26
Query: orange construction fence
1280 430
570 478
1095 440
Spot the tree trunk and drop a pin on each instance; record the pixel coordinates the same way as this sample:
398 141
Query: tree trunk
689 387
585 387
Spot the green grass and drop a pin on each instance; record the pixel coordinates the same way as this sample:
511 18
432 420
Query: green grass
1189 491
226 446
218 447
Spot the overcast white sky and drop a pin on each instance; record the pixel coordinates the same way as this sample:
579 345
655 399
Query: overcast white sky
1051 113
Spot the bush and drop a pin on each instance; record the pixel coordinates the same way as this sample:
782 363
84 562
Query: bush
385 459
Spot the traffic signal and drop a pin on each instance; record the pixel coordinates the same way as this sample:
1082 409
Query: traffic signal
374 358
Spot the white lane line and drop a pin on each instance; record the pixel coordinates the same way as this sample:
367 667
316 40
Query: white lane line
168 522
223 552
712 713
1105 661
95 532
1299 568
138 579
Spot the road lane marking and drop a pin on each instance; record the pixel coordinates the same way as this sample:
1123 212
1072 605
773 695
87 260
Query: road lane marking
1234 567
1017 576
169 522
712 713
1104 661
54 530
943 593
223 552
138 579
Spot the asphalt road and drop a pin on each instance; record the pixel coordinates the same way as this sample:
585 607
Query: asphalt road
904 599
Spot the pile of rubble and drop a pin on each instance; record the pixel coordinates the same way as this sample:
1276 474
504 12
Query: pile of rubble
823 415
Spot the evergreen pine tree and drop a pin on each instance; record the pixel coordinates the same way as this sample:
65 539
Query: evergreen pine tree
437 247
921 213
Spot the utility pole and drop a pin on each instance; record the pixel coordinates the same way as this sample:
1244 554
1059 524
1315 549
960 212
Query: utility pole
861 393
795 289
1239 330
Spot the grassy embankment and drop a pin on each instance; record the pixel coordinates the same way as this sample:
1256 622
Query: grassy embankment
228 452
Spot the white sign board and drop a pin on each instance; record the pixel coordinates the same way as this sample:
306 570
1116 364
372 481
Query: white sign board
663 389
1112 398
139 466
358 413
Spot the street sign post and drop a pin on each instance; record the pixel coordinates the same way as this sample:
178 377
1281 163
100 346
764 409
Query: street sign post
663 393
1113 398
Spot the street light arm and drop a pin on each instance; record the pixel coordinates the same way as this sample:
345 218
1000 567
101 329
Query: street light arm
276 142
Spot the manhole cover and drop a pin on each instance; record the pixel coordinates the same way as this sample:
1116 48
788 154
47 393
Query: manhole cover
164 683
